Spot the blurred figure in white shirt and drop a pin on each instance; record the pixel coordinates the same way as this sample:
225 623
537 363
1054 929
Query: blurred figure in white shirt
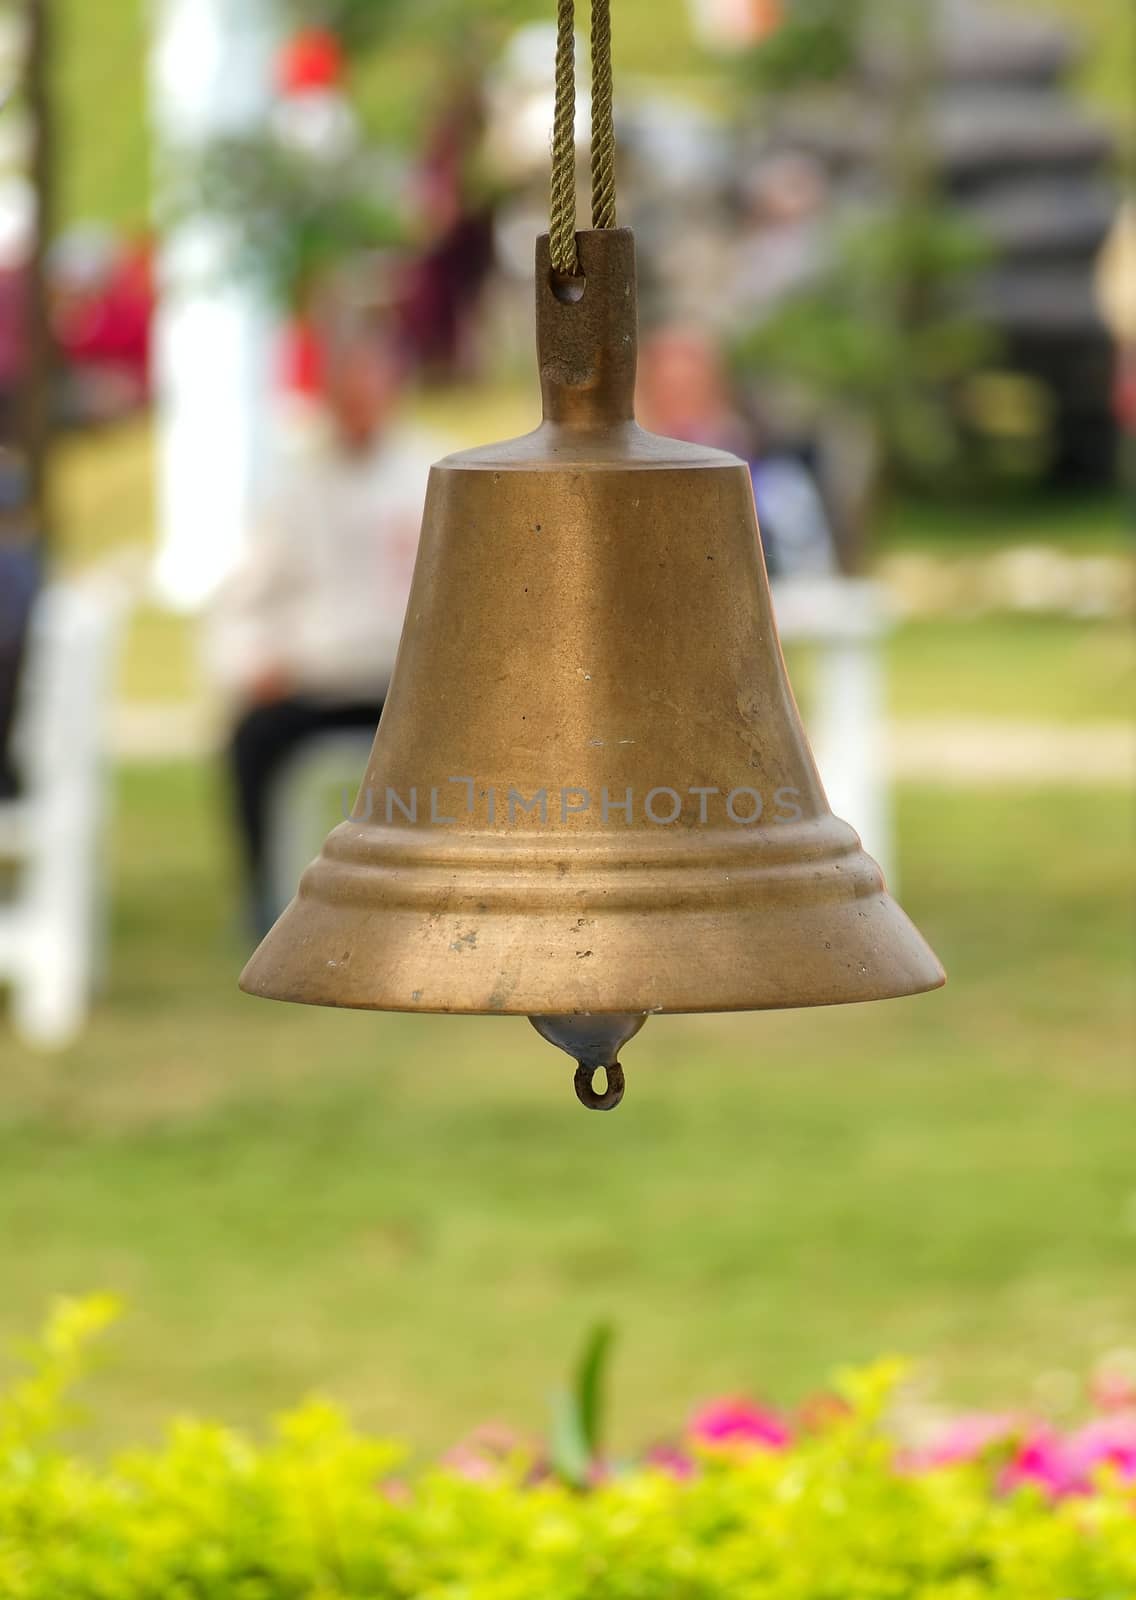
304 635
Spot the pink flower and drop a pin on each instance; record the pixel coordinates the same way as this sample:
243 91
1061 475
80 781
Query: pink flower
483 1454
1114 1389
739 1424
966 1439
1108 1442
1069 1465
1042 1460
671 1459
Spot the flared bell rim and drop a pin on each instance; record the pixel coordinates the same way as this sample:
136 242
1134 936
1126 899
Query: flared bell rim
781 917
868 951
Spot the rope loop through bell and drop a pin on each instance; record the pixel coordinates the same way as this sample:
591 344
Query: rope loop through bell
562 208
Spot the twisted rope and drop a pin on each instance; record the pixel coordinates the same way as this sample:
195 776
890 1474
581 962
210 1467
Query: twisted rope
562 208
603 120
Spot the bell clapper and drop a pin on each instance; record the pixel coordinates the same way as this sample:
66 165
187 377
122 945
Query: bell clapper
594 1041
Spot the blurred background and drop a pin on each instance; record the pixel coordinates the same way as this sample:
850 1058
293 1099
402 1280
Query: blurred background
260 260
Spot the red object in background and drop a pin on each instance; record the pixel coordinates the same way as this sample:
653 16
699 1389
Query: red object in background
732 24
768 15
310 62
1124 391
13 341
302 359
109 325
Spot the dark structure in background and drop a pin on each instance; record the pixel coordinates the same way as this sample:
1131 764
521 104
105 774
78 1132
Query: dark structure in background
19 582
1032 170
1007 143
25 445
35 431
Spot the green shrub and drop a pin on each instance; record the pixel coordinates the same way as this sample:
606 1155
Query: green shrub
320 1512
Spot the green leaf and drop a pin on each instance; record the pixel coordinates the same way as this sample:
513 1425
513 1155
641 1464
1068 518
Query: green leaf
569 1453
576 1440
590 1385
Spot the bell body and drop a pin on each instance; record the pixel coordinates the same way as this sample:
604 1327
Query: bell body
590 791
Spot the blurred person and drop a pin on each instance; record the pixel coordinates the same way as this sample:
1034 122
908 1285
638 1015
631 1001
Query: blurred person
20 549
444 283
313 114
17 226
784 244
304 635
20 574
13 317
520 102
684 392
102 298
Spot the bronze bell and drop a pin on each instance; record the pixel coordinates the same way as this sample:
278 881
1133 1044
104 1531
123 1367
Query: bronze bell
590 796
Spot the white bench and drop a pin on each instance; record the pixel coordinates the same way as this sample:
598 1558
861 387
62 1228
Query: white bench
51 836
324 772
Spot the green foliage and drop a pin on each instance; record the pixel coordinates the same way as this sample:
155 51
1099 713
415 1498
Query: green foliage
814 44
576 1443
358 24
319 1511
361 25
293 216
36 1406
882 329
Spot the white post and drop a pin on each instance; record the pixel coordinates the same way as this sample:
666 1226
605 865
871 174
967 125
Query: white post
847 621
849 738
214 339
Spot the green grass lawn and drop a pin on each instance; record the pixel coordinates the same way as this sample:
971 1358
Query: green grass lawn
415 1216
1076 524
1021 668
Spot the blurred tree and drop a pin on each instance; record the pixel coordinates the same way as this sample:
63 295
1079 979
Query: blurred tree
361 25
357 24
880 329
815 43
297 211
294 216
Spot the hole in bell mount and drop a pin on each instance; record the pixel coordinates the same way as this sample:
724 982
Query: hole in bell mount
568 287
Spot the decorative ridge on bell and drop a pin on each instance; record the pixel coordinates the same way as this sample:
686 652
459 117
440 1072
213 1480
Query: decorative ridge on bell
590 797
